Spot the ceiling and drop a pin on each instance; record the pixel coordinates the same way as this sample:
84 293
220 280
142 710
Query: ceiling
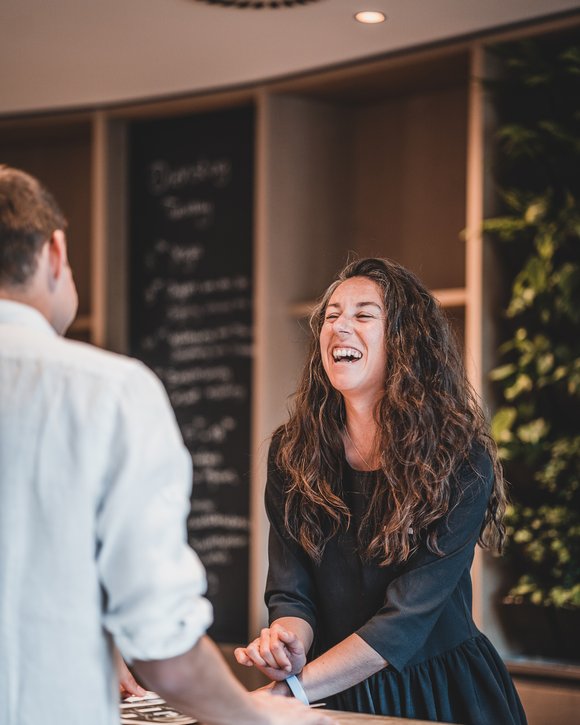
60 54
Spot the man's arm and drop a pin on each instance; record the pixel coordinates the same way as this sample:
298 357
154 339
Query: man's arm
200 684
153 580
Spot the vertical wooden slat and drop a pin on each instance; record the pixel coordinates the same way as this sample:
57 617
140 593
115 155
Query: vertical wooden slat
474 264
259 525
99 228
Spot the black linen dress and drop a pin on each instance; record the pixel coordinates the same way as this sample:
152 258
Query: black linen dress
416 615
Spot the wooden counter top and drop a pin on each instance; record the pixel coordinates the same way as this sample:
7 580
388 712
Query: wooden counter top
154 706
354 718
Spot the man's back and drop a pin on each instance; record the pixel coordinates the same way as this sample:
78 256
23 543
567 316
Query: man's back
74 441
95 485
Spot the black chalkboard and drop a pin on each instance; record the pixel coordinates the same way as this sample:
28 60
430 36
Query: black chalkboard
191 199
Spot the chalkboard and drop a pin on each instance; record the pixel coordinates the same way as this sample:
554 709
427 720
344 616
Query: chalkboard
190 229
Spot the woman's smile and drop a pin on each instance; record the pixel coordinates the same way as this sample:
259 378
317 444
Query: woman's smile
346 354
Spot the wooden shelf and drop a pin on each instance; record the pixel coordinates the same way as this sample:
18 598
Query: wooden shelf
301 310
453 297
545 670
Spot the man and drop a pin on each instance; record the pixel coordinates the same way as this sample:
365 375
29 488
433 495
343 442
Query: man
94 490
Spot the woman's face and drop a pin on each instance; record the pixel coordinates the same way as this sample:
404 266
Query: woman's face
352 339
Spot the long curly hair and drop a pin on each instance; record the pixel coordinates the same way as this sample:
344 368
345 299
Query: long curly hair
428 420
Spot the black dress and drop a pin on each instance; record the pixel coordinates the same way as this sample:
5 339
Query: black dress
416 615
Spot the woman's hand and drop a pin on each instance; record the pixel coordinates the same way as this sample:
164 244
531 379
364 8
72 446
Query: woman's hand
277 653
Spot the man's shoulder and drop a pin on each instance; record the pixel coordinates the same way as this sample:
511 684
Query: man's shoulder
81 358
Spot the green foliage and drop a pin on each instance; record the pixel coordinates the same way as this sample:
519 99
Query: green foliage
537 421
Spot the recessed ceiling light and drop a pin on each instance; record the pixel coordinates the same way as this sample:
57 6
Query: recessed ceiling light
370 17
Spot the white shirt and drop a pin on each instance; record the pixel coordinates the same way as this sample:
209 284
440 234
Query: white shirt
94 491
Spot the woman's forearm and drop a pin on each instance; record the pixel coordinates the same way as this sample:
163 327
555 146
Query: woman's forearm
346 664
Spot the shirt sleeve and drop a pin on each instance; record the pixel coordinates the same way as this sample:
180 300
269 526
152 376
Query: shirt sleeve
153 582
415 599
289 586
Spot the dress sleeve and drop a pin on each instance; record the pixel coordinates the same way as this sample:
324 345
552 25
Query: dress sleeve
152 580
416 597
289 586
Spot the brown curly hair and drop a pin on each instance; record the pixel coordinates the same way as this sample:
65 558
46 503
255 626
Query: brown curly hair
28 216
428 420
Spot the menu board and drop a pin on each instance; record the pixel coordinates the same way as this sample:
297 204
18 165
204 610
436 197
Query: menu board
190 230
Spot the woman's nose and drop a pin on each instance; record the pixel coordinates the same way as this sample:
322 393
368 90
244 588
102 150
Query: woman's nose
343 325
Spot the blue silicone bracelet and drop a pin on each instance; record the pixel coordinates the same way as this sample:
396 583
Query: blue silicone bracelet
296 689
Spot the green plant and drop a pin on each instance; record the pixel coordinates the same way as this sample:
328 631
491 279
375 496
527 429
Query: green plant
537 421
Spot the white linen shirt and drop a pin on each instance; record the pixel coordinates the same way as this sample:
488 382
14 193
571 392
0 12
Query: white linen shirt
94 491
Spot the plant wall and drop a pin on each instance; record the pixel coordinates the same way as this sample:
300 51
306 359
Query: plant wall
537 420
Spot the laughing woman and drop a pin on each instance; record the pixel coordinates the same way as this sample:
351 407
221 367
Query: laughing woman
379 487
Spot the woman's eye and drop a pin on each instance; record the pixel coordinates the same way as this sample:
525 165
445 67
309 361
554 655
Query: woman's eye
332 317
364 317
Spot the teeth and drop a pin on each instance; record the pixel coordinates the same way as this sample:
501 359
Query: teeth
340 353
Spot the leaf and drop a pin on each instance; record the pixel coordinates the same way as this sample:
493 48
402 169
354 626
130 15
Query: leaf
539 79
534 431
502 423
545 246
558 133
506 228
545 363
502 372
535 211
523 536
517 140
523 384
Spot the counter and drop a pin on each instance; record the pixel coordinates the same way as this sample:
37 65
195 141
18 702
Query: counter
353 718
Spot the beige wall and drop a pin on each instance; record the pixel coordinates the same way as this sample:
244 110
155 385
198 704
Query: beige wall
65 54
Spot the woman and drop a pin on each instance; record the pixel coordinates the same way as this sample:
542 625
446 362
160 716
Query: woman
379 487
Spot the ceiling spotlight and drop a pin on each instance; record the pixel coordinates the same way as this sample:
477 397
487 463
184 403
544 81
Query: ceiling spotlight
370 17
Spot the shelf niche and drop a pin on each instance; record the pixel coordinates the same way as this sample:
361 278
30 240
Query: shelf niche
59 155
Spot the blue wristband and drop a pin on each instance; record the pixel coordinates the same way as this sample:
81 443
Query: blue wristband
296 689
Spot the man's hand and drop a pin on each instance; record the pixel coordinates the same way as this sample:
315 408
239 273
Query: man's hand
200 684
128 685
288 711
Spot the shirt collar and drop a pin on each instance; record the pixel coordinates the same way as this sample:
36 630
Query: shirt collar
21 315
